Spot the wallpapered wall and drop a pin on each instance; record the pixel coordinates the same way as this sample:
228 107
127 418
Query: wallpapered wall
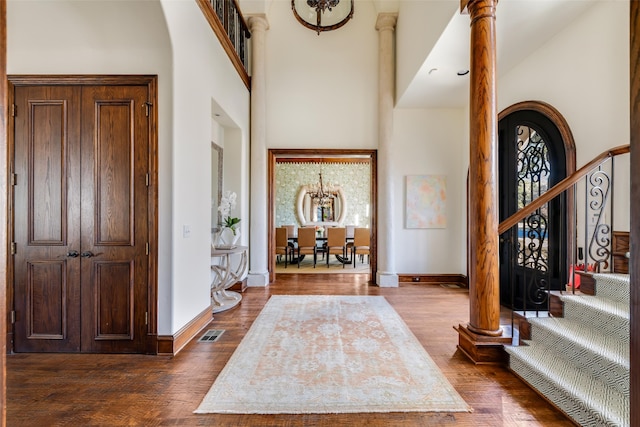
354 178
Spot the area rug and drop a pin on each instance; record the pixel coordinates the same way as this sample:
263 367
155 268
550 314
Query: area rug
330 354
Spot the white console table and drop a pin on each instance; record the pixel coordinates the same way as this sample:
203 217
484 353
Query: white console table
226 274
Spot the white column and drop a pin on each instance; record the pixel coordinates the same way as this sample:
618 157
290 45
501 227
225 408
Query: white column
386 275
258 231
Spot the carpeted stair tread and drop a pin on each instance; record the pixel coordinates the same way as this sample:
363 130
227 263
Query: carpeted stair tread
601 355
613 286
607 315
577 393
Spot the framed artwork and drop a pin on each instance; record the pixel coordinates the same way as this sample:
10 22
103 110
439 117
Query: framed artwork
426 201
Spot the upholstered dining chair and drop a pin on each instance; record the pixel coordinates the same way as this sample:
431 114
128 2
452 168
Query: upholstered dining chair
282 244
361 244
336 243
307 244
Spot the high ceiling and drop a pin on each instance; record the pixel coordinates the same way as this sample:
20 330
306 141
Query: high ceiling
522 27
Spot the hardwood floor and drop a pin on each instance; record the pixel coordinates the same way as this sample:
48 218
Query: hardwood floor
118 390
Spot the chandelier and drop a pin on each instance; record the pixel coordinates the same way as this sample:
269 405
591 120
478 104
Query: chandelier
322 15
321 194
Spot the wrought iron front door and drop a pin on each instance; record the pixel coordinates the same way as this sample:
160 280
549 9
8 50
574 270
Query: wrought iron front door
531 160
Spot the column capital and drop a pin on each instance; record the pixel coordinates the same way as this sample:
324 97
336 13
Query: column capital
386 21
479 8
258 22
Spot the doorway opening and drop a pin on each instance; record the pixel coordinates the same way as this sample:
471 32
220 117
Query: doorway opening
354 202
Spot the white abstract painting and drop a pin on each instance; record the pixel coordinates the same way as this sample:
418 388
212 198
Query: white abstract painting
426 197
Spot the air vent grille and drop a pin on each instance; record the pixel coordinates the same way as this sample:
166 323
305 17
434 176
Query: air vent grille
211 335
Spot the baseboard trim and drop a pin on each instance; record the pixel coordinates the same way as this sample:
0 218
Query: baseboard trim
170 345
434 279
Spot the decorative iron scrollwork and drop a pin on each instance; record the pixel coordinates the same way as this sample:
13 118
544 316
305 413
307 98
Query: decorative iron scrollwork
598 188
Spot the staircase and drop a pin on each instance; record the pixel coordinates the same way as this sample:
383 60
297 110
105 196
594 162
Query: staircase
580 362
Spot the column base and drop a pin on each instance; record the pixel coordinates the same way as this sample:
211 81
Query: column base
387 280
258 279
483 349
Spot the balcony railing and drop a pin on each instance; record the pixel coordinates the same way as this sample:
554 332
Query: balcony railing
232 31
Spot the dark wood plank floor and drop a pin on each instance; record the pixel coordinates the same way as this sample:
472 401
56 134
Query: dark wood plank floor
119 390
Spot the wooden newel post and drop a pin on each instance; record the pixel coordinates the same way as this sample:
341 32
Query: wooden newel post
482 338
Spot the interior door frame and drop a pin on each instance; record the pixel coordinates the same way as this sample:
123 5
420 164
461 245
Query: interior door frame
315 155
151 81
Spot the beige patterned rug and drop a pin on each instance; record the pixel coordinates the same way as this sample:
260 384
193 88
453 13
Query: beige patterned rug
330 354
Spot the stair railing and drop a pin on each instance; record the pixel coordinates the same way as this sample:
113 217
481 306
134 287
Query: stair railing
589 242
228 24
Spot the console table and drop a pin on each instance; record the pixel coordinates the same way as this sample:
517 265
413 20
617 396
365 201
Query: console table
226 274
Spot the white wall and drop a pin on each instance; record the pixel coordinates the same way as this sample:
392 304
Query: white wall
420 24
204 80
170 39
322 90
430 142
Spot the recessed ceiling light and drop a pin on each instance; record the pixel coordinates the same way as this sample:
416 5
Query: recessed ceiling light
463 72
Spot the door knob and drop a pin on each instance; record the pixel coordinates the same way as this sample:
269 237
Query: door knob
72 254
87 254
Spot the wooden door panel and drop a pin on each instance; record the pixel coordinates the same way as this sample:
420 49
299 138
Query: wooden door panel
114 211
46 296
114 300
46 163
114 168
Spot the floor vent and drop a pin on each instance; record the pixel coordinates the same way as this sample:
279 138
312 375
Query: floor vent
211 335
450 285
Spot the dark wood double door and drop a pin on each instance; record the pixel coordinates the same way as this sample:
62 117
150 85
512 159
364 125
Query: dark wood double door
80 223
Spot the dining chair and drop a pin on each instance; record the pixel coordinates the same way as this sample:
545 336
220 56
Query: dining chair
336 243
292 233
307 244
361 244
282 244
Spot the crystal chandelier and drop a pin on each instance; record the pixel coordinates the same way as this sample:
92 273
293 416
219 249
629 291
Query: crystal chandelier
321 194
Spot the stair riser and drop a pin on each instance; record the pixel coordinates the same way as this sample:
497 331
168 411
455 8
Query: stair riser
607 323
614 287
613 373
559 397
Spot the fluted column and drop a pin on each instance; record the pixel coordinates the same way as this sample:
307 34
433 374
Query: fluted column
258 241
482 338
386 275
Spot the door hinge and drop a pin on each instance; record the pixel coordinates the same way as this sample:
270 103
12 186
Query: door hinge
146 248
13 317
146 317
147 179
147 108
14 179
14 248
14 110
